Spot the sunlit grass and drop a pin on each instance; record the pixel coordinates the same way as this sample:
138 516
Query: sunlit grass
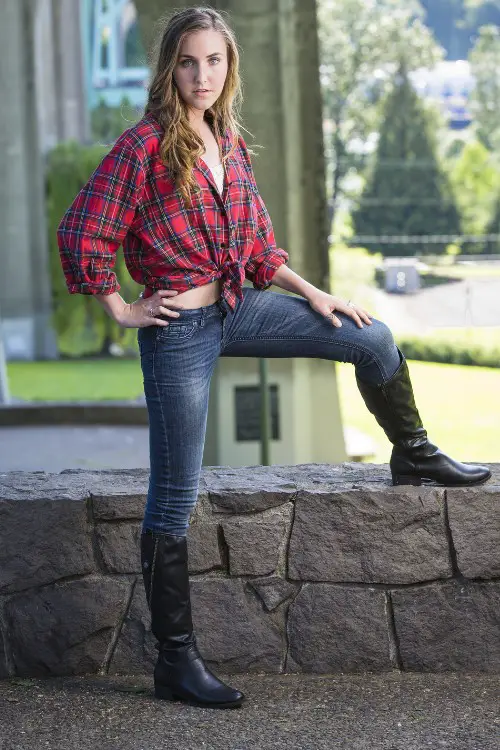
459 406
76 380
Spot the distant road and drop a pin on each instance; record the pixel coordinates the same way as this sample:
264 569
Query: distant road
56 448
471 302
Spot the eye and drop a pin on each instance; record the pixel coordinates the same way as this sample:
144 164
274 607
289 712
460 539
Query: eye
214 60
186 63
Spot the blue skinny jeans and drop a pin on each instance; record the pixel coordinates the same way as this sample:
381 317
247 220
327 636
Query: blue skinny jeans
178 361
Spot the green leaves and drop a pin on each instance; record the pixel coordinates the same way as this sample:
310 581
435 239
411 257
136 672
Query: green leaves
485 66
81 325
407 191
362 42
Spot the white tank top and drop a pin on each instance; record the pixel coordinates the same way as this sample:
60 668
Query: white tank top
218 175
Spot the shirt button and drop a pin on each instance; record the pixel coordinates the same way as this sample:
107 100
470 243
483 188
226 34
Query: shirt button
223 245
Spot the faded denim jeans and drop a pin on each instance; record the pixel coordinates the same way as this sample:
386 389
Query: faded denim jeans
178 361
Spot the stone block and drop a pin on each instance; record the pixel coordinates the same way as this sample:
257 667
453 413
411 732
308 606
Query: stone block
371 535
337 629
203 547
135 651
114 507
118 495
44 528
474 518
449 626
272 590
347 475
233 631
40 485
119 546
239 491
254 543
65 628
4 672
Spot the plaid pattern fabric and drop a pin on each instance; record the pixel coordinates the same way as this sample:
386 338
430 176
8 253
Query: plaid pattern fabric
131 200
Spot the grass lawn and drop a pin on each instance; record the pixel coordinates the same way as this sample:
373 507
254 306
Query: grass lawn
459 405
76 380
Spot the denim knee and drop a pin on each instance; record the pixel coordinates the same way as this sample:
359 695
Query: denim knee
380 346
381 340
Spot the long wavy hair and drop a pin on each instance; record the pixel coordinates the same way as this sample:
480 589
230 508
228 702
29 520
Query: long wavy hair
181 146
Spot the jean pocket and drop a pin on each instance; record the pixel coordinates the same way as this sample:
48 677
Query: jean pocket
177 330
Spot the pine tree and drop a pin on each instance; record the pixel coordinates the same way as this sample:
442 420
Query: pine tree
406 192
493 227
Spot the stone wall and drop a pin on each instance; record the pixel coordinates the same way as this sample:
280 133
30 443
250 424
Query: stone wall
313 568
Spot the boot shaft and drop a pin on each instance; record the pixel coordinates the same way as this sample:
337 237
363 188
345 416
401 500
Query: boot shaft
393 405
164 562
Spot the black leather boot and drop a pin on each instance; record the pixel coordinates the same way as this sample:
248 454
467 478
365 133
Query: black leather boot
180 672
414 459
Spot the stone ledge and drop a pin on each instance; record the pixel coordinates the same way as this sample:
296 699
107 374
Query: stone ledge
74 413
312 568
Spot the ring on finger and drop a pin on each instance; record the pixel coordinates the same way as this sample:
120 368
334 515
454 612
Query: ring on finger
350 304
151 312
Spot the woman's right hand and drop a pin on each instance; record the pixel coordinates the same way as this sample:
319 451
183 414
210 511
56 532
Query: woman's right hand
144 312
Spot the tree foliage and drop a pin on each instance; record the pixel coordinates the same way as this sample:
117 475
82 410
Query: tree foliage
81 325
485 65
476 180
150 15
493 227
108 123
362 43
407 191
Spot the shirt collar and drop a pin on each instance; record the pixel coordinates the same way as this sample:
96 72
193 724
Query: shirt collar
233 171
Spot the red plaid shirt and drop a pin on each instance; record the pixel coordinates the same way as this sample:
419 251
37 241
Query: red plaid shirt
131 200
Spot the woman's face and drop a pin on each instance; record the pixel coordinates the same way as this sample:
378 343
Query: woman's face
201 69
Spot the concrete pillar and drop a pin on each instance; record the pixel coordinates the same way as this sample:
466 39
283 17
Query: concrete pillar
46 78
43 102
282 108
67 57
24 288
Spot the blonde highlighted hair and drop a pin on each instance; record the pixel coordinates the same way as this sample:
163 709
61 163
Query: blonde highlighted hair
181 146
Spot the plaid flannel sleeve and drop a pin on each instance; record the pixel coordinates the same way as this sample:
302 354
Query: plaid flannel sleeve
97 221
265 257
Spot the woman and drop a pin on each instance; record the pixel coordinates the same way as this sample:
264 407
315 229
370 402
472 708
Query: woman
178 191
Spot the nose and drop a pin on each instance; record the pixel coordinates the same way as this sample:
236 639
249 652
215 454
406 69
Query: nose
201 76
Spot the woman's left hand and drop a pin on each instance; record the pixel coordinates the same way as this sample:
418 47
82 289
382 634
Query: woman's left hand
325 304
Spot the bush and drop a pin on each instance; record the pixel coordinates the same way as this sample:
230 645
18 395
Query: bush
352 273
467 346
81 325
108 123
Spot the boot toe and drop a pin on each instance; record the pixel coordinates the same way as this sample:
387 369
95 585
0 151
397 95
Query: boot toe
230 697
476 474
409 467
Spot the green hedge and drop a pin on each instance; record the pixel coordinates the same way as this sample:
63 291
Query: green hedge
81 324
467 346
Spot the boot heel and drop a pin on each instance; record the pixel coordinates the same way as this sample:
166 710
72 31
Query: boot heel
398 479
164 693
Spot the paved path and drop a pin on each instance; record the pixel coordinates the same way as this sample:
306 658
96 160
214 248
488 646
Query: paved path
471 302
57 448
283 712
